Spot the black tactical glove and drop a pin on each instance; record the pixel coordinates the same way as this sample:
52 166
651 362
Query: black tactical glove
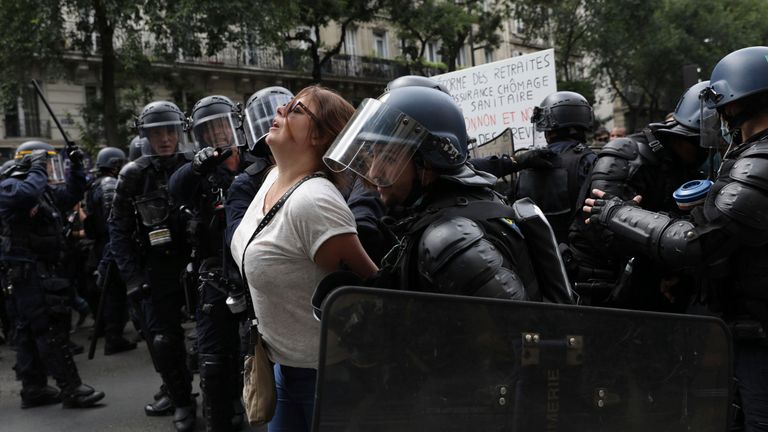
75 155
605 207
536 158
207 159
38 157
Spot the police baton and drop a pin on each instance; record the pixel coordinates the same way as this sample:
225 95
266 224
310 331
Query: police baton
69 143
99 318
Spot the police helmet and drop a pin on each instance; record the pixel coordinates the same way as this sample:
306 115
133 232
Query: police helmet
260 110
215 122
55 162
163 125
134 148
686 119
406 122
415 81
561 110
738 75
111 158
7 168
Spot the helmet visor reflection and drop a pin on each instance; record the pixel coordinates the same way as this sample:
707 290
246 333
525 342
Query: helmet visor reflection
259 115
164 139
711 134
55 169
218 131
377 143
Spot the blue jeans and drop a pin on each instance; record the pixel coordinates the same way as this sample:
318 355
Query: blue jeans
295 399
751 370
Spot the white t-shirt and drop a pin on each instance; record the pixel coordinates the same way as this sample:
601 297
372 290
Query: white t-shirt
280 268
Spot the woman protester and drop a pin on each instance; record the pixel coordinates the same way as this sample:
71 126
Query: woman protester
310 236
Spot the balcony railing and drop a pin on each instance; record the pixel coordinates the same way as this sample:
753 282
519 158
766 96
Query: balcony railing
341 65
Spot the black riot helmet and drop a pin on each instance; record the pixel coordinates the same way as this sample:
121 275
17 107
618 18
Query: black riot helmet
7 168
686 119
110 158
407 122
260 110
562 110
415 81
215 122
55 162
163 125
134 148
741 76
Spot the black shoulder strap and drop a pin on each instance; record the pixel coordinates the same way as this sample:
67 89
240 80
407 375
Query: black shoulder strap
475 210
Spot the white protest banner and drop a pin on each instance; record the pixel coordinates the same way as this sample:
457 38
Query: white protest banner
502 94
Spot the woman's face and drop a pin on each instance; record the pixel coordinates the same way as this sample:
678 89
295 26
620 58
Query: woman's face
293 124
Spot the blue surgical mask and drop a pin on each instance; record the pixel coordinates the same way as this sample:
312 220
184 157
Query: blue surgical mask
726 132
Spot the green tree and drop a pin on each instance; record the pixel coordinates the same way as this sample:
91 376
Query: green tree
640 46
115 31
302 21
454 24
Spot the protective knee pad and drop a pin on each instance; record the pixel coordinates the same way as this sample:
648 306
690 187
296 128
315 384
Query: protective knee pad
168 351
217 400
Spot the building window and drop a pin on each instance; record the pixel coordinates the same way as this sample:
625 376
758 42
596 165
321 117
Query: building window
380 43
462 60
22 117
488 55
432 52
350 41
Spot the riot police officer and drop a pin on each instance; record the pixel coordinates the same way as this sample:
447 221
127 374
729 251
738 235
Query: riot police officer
98 206
653 164
724 242
411 144
565 118
147 232
32 201
202 186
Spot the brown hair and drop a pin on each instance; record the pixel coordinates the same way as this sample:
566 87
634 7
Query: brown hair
332 112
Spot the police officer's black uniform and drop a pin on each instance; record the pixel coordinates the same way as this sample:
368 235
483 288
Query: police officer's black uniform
98 206
725 243
148 242
33 241
564 117
202 185
641 164
455 232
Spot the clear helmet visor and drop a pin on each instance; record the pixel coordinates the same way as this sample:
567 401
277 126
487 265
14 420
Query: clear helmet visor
165 139
55 168
259 115
218 131
712 136
377 143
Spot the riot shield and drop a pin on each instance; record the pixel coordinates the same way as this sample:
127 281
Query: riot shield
405 361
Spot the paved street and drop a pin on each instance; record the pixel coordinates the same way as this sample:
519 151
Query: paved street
128 379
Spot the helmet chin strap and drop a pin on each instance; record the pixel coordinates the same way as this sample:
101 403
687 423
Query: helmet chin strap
417 185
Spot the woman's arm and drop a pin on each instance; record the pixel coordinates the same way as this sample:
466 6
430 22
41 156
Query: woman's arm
345 252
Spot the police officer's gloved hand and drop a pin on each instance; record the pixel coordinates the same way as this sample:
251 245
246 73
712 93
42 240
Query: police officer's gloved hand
605 207
206 160
76 156
536 158
38 158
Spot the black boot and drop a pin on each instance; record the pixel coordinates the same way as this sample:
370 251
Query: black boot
160 392
118 345
185 417
35 396
161 407
82 396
